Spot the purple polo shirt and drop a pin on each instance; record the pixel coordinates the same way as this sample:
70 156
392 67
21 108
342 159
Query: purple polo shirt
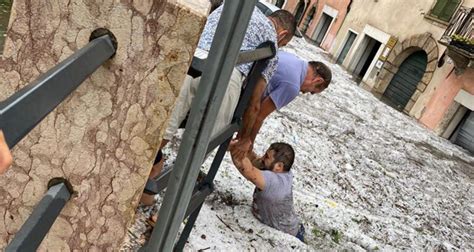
285 84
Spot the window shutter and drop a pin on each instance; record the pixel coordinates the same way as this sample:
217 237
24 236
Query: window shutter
449 10
438 8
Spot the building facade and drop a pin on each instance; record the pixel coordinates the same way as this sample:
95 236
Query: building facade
320 21
449 110
395 50
399 50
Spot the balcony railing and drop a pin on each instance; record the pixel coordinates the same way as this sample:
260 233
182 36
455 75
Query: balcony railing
460 24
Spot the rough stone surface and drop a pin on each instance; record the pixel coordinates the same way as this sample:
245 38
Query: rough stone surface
397 49
433 55
392 56
409 106
431 67
391 68
421 86
416 95
431 46
427 77
103 137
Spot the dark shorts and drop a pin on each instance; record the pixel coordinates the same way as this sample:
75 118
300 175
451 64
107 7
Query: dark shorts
158 157
300 234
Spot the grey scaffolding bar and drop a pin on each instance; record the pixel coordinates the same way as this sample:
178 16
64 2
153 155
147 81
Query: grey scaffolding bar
31 234
223 55
22 111
260 56
221 140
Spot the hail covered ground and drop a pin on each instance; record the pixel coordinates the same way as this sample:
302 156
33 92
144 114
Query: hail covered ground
366 177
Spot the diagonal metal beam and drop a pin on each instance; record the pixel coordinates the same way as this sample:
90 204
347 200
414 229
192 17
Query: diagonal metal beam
198 64
22 111
40 221
224 51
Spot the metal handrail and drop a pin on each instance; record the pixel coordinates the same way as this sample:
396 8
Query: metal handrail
22 111
461 24
223 54
35 228
261 55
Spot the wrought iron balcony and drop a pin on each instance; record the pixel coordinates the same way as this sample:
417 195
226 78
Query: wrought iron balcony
462 53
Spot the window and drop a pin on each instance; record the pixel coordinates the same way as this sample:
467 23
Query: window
444 9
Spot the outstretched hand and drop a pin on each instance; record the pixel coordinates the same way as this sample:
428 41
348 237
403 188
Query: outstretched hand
238 150
241 147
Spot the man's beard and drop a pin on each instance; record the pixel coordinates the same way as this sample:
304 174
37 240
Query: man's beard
260 164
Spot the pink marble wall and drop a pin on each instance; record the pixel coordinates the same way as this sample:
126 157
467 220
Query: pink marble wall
103 138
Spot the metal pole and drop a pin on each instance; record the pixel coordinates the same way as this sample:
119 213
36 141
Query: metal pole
223 55
22 111
208 180
224 138
40 221
187 229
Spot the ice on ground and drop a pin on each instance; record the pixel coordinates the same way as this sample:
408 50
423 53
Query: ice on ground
367 177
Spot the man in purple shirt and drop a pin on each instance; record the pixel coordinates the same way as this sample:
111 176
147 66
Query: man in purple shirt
293 75
279 28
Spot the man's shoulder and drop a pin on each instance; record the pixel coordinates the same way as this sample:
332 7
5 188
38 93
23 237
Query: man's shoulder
276 183
288 58
277 177
261 23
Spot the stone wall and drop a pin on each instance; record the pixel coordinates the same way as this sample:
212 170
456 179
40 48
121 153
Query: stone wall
103 138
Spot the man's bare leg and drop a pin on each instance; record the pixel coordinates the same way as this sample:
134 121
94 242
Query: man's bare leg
148 199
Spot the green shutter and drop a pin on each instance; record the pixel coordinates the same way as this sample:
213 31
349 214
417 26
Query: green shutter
449 10
438 8
444 9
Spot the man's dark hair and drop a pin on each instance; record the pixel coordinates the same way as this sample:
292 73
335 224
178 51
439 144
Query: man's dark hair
283 153
286 20
322 70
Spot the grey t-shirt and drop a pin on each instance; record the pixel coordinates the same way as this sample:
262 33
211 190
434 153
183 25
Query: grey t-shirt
274 204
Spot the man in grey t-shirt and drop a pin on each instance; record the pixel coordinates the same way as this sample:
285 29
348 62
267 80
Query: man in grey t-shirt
273 196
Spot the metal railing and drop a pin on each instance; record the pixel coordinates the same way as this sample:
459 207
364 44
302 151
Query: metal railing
183 197
31 234
461 24
22 111
221 141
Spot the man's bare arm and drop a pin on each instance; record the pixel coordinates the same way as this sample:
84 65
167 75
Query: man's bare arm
253 109
245 167
266 108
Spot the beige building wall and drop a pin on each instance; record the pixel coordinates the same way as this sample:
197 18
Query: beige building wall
406 21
